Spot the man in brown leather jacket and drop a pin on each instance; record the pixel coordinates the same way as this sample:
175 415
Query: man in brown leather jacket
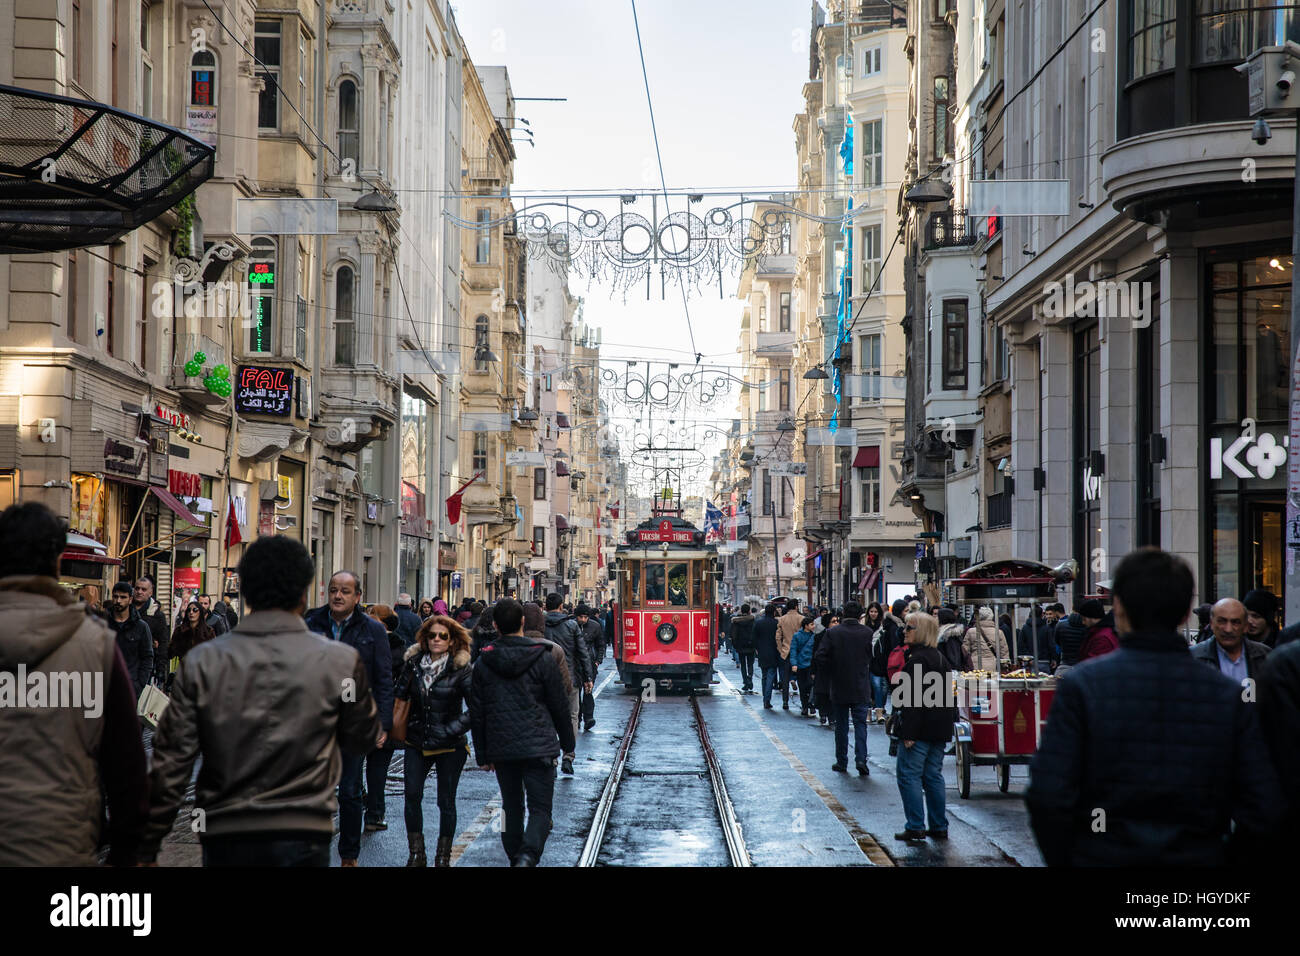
273 705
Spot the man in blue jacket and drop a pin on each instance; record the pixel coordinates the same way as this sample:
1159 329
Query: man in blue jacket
343 620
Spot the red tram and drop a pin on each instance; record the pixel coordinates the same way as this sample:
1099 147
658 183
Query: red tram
666 620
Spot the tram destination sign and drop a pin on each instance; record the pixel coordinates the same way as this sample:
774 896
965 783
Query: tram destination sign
664 532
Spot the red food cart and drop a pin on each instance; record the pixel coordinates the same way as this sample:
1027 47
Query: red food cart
1001 717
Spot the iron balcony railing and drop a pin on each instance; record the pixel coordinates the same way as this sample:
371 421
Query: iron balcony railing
949 228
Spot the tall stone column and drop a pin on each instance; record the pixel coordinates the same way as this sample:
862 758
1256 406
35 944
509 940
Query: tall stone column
1026 450
1118 440
1057 425
1180 409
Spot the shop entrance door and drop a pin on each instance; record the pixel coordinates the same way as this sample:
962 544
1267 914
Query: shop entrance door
1264 551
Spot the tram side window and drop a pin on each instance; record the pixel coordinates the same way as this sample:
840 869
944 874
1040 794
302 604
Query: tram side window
678 584
634 588
701 579
654 583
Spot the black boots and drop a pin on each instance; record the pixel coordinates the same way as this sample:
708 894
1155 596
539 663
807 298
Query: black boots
416 843
442 853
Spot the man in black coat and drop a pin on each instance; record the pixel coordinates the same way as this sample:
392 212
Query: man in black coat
742 643
408 622
593 635
1149 757
133 637
769 656
844 656
1279 713
151 612
562 629
1070 635
343 620
519 720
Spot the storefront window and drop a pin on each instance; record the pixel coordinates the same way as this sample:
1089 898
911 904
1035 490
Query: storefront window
89 507
1087 441
1247 421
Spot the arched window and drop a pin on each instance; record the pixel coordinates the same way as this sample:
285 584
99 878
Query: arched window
262 269
349 122
480 343
203 79
345 323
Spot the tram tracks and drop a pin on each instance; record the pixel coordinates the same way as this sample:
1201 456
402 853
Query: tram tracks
653 822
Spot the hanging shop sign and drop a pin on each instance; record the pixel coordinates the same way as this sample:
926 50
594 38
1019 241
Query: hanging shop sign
124 458
1249 455
183 484
264 391
174 418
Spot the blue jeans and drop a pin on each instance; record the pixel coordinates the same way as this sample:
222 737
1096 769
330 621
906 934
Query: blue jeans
773 676
879 685
861 717
351 806
920 768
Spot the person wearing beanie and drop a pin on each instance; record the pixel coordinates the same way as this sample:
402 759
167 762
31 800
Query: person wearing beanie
1261 616
1100 637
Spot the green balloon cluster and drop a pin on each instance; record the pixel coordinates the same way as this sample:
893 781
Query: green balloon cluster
222 372
195 365
218 386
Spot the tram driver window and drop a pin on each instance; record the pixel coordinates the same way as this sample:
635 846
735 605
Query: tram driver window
654 583
634 584
678 584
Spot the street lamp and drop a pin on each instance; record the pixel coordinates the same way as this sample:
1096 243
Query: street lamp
374 201
816 373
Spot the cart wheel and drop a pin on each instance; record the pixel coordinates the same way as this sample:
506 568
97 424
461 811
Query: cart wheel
1004 776
963 769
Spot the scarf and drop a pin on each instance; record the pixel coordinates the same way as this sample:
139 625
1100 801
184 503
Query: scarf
430 669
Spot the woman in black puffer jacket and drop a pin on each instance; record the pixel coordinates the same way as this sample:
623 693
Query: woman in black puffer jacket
435 679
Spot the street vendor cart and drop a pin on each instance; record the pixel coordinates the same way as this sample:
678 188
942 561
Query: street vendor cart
1002 713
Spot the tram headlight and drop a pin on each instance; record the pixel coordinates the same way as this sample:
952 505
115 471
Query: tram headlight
666 633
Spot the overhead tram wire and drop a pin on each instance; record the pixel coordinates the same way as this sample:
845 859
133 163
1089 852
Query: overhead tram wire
663 182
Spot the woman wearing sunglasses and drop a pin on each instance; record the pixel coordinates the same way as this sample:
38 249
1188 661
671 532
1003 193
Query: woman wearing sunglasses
435 679
192 631
924 725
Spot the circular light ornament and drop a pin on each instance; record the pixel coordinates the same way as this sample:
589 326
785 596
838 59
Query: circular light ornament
666 633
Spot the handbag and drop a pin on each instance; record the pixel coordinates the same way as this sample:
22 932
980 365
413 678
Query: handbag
401 714
151 704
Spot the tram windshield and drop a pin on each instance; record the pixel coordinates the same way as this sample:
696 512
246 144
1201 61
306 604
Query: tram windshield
654 583
678 584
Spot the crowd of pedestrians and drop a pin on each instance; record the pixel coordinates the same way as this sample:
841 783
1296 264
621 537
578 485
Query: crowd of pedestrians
1184 755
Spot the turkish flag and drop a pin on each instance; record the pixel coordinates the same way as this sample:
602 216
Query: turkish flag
233 536
613 509
453 508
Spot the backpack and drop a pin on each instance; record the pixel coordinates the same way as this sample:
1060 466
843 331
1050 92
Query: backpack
897 658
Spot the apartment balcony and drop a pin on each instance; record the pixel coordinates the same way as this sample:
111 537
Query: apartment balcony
1190 176
191 388
775 344
950 228
485 173
775 265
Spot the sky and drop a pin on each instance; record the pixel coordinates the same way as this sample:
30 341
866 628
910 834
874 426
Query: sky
726 79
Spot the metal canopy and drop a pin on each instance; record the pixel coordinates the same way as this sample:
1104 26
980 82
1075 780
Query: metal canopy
78 173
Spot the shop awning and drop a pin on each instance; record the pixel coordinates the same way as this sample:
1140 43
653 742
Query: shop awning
169 499
94 557
867 457
561 523
561 469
